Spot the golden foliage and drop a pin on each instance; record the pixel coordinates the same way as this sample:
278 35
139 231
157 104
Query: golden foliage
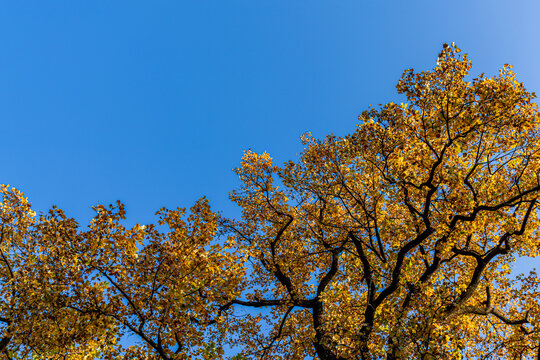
393 242
396 241
68 292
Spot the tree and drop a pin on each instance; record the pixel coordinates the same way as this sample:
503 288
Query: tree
74 293
395 242
34 275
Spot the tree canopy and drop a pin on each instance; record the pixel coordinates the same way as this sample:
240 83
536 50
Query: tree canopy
393 242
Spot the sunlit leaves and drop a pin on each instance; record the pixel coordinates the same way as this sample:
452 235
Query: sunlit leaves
393 242
398 238
69 291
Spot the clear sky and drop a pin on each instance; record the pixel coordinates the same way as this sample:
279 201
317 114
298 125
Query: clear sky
154 102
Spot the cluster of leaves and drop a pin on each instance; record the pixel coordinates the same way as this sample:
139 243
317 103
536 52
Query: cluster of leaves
393 242
67 291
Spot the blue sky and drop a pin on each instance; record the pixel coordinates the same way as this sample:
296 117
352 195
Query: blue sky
154 102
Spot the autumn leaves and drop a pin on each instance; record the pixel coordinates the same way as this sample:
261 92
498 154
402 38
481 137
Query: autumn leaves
392 242
69 291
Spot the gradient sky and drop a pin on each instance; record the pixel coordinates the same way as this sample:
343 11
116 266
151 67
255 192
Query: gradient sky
154 102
